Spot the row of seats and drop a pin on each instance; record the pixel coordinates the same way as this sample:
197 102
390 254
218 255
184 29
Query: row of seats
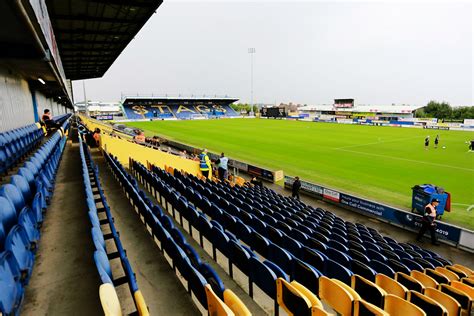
198 277
16 143
261 274
329 267
23 202
103 254
60 119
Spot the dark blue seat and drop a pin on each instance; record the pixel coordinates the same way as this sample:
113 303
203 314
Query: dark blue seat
196 283
306 275
23 186
314 258
213 279
397 266
412 264
363 270
281 257
292 246
333 269
220 241
424 263
263 277
337 245
193 256
339 257
376 255
357 255
260 244
383 268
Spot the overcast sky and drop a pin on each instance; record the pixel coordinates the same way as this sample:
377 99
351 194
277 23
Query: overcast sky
306 52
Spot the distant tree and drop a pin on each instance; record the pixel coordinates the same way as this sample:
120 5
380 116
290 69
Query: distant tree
442 110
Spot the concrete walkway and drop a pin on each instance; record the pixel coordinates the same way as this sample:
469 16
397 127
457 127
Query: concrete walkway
65 280
158 283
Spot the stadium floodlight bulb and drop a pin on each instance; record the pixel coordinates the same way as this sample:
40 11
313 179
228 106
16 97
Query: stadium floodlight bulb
41 80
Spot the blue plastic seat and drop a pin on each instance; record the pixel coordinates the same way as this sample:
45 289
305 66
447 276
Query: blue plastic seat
26 219
332 269
339 256
103 266
11 294
12 193
383 268
306 275
363 270
376 255
17 242
196 283
263 277
397 266
213 279
314 258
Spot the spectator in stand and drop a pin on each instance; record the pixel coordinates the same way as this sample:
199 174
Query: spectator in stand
295 189
256 182
204 163
140 138
183 154
222 166
47 119
96 136
428 222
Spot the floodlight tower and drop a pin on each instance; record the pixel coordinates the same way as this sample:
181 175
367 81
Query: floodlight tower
251 51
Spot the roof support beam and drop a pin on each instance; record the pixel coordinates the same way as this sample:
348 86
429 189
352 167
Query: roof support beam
137 4
88 18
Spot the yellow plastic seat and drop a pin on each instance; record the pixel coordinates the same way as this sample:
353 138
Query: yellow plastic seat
395 305
319 311
452 306
409 282
142 308
462 297
215 306
468 281
109 300
427 304
309 295
391 286
460 273
291 300
365 308
469 290
449 274
369 291
235 304
424 279
336 296
467 270
353 292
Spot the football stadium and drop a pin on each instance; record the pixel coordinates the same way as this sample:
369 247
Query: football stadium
174 204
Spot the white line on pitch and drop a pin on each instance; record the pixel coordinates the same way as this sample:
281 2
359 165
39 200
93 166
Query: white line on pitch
405 159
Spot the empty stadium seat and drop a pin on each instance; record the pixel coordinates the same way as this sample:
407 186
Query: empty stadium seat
335 296
428 305
395 305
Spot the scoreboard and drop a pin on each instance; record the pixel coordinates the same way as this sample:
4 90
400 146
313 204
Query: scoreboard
275 112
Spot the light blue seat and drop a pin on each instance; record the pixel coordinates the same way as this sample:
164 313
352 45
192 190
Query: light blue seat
103 266
12 193
11 294
17 242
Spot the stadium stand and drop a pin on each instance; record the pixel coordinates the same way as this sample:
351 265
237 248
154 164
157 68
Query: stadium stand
179 108
102 254
23 202
241 222
195 275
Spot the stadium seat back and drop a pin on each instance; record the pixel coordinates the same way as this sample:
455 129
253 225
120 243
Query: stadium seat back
363 308
109 300
391 286
449 303
215 305
427 304
235 304
395 305
368 290
335 296
292 300
409 282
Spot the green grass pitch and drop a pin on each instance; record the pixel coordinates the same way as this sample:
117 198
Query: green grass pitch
379 163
